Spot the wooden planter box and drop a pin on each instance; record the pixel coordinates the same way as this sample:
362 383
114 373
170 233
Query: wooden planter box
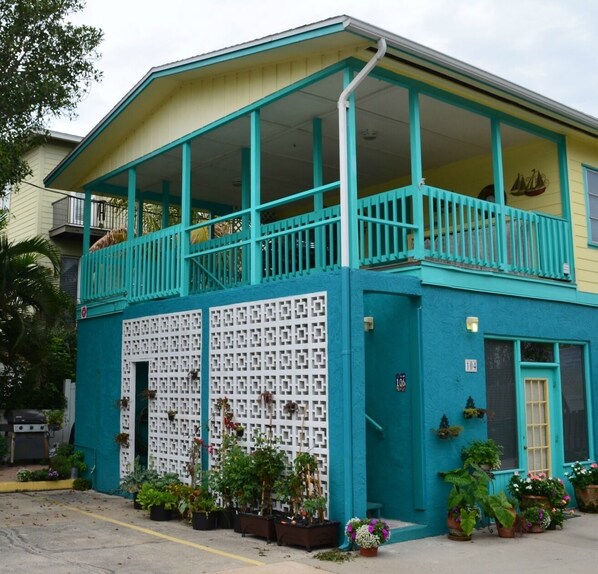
307 537
262 526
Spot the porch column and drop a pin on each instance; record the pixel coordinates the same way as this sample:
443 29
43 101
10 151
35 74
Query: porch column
318 180
417 176
499 194
86 220
185 219
254 213
245 203
353 241
165 203
131 191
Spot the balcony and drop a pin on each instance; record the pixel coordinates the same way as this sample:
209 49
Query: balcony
67 218
396 230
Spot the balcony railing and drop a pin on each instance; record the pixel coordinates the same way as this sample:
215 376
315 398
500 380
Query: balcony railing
69 211
401 226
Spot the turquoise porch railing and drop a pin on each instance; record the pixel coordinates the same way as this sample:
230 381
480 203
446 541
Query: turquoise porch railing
156 264
449 228
466 231
103 273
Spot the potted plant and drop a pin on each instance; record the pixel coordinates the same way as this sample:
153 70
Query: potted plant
367 534
469 492
471 411
538 490
445 430
538 518
305 524
483 453
122 439
203 509
585 483
502 509
131 482
158 500
123 402
171 414
268 463
55 419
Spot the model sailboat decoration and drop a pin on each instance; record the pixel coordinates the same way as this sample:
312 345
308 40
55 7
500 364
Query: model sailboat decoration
533 185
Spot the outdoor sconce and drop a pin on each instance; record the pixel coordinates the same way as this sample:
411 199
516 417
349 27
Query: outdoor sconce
368 324
472 324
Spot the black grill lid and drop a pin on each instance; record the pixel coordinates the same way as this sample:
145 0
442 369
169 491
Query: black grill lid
17 416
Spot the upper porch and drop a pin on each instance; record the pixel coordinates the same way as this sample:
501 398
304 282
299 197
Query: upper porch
257 196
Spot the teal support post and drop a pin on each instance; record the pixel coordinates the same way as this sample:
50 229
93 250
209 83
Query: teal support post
165 204
417 176
255 193
86 221
318 180
86 237
499 193
245 202
131 192
139 214
185 219
565 202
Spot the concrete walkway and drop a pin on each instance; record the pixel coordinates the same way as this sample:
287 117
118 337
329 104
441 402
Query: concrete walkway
65 532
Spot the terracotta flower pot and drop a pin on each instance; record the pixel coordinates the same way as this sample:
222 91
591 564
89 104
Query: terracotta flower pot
587 498
455 531
369 552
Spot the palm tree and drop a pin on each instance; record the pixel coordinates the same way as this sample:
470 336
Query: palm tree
27 289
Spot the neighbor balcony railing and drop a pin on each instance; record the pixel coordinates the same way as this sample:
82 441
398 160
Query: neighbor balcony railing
399 226
69 211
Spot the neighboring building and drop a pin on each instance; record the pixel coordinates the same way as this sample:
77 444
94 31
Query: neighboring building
346 253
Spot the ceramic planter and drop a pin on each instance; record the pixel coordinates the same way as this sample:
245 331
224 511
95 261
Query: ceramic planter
307 537
455 531
587 498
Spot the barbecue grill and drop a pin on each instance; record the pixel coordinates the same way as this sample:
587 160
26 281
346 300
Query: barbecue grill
27 433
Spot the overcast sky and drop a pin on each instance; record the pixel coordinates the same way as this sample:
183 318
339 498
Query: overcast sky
548 46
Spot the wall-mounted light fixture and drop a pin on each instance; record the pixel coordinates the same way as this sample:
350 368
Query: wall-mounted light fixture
368 324
472 324
369 135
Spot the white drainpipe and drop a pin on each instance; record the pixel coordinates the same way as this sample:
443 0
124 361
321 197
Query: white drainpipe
343 105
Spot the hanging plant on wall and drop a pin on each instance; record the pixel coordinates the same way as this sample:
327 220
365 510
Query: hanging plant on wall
122 439
445 430
471 411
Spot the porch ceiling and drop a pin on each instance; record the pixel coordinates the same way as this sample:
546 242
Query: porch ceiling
449 134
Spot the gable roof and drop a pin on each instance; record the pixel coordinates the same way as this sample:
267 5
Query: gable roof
334 32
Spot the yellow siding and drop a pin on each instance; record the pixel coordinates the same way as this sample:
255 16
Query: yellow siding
582 152
30 207
198 103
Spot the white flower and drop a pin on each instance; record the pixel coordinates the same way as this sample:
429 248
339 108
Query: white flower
365 539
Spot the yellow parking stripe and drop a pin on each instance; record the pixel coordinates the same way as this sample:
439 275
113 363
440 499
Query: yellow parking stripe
160 535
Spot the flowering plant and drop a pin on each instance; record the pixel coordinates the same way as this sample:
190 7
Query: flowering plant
367 532
539 485
538 516
582 477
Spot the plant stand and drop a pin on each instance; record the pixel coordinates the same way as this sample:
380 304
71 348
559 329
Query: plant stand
308 537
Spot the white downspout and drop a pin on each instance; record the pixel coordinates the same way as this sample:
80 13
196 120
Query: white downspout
343 105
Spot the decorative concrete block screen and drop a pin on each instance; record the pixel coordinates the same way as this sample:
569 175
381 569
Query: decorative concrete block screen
276 346
171 344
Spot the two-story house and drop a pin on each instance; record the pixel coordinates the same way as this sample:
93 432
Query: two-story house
388 232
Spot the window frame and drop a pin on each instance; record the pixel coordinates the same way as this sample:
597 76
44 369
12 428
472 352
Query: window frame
586 169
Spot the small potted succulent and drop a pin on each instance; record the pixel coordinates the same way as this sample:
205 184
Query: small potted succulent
122 439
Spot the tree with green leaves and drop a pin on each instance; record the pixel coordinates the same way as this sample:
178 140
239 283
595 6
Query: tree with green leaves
37 345
47 65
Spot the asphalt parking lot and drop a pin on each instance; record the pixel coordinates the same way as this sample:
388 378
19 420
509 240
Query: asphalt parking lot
64 532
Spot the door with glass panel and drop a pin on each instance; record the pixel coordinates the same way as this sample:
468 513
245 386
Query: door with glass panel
538 437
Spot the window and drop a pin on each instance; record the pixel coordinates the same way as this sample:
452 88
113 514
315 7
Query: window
532 352
501 400
68 275
573 390
592 204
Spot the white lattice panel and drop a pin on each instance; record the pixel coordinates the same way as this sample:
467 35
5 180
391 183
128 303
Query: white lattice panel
171 344
277 346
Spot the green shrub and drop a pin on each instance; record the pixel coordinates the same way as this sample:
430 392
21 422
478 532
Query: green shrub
81 484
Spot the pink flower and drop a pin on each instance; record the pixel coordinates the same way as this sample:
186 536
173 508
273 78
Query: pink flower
594 465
